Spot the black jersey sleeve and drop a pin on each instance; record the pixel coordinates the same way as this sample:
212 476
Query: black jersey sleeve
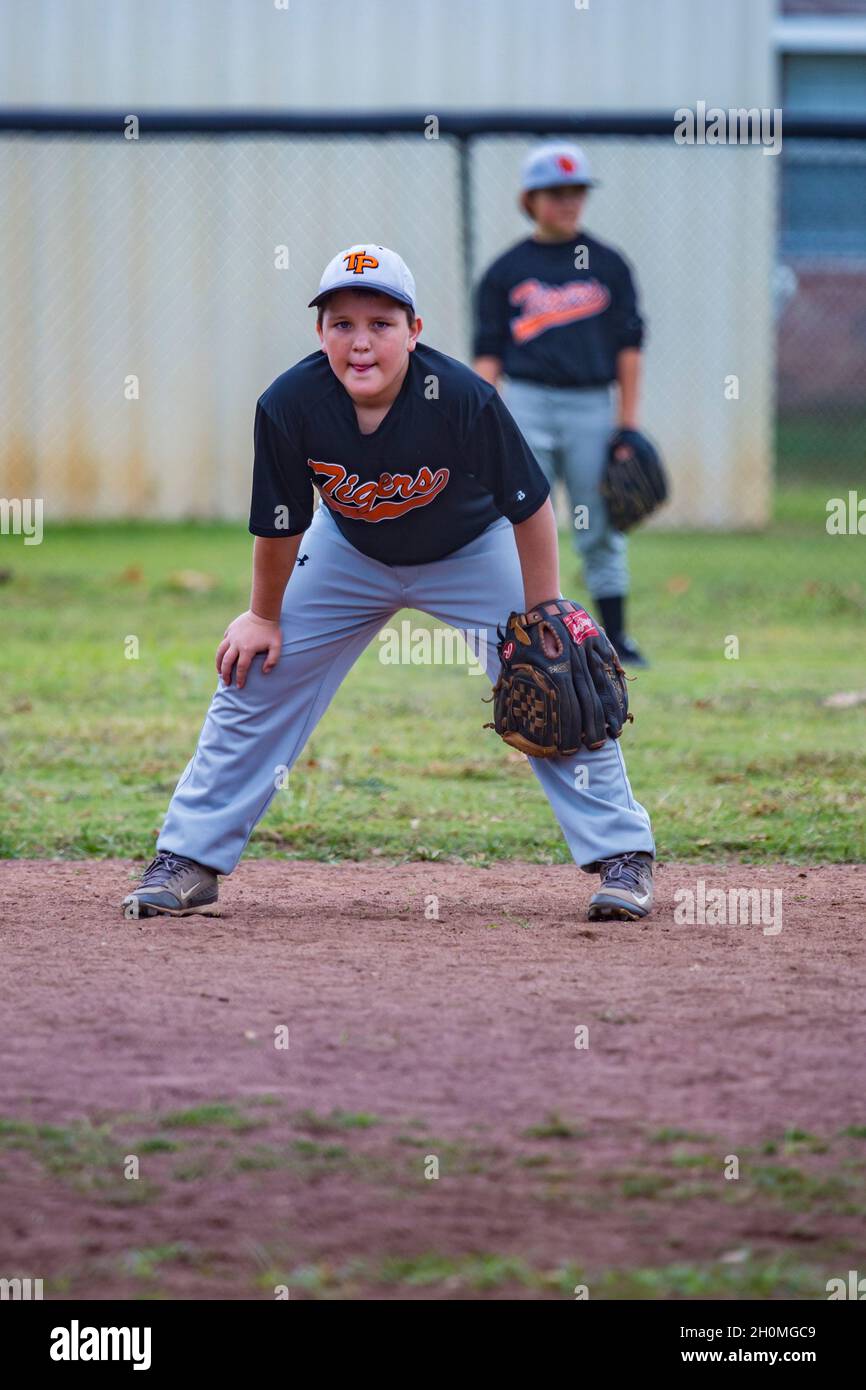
500 459
627 322
491 312
282 494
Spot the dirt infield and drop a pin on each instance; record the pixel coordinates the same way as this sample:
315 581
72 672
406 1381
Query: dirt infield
604 1158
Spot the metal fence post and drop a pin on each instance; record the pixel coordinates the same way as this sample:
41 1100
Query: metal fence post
467 224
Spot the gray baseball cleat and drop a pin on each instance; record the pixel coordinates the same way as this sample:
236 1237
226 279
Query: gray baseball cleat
174 886
626 891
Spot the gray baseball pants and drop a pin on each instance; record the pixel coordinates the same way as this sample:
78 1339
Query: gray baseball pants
568 431
334 605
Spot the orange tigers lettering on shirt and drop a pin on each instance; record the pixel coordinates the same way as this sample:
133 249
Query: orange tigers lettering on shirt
382 499
548 306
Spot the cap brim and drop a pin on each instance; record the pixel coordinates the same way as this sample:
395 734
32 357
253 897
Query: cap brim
368 285
567 183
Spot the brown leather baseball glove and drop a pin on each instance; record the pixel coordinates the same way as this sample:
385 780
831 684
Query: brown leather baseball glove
561 686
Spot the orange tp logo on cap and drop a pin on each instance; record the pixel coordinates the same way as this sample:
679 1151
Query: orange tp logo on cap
358 261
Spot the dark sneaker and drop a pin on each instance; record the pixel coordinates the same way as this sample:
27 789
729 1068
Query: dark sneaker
630 653
626 891
174 886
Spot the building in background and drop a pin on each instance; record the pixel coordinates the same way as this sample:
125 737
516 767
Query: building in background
821 283
157 286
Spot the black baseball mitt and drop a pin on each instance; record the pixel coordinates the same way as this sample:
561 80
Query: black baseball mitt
561 685
634 482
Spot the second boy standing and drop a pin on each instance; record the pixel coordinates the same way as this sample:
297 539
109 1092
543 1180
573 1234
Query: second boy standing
557 317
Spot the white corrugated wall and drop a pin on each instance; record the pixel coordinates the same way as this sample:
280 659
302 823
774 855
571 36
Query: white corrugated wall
157 258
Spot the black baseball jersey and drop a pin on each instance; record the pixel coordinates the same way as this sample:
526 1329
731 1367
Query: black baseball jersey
550 322
446 461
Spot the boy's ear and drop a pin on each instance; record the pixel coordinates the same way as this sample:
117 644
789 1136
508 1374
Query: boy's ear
524 202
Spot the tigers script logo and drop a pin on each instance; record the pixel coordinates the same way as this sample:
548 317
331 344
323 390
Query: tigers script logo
549 306
388 496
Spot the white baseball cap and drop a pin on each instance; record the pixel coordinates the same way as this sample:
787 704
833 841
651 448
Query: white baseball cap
367 266
554 165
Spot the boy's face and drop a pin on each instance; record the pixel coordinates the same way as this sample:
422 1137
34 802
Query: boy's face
558 210
367 340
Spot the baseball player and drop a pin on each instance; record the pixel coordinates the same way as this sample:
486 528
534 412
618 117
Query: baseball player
557 318
430 499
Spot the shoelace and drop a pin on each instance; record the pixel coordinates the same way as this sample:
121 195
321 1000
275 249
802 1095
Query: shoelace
161 867
626 868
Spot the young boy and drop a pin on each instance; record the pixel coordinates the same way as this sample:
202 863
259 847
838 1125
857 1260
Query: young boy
430 500
557 314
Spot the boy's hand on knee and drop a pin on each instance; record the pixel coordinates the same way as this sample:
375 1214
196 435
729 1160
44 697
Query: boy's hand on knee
247 635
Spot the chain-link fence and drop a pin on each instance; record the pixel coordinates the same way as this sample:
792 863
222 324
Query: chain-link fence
821 311
156 285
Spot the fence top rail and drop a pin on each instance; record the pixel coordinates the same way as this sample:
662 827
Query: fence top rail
39 120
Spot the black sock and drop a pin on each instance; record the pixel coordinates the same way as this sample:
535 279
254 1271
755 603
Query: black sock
612 612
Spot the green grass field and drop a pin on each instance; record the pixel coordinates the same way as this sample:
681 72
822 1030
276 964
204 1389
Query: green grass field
733 757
